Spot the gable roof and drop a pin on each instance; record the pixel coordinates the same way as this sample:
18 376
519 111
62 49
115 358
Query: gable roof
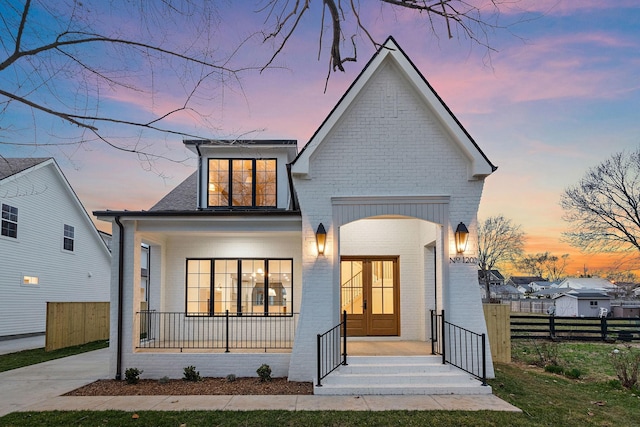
14 167
584 294
10 166
481 166
183 197
587 283
525 280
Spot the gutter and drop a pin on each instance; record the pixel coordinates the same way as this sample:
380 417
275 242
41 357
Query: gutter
198 189
120 296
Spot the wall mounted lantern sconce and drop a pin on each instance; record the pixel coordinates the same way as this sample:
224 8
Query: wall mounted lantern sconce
462 237
321 238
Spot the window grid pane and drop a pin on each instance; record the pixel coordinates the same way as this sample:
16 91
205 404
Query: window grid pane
68 240
218 187
265 286
253 183
198 287
9 226
265 183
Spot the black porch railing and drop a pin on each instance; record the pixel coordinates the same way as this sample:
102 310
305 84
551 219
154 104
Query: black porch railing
329 349
459 347
176 330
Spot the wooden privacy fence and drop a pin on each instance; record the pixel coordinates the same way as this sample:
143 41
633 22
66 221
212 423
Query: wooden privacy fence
498 330
75 323
574 328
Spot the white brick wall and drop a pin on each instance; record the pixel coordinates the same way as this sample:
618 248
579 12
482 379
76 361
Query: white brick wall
373 152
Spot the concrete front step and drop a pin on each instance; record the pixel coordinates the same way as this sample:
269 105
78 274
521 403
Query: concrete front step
414 375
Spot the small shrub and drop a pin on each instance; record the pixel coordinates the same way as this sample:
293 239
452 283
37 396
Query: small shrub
573 373
627 365
231 378
554 369
546 353
190 374
264 372
132 375
164 380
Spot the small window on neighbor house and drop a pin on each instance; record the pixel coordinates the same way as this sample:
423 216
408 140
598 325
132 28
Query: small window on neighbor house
30 280
9 221
69 237
593 303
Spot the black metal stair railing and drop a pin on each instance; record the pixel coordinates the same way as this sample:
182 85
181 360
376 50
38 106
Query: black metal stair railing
332 350
459 347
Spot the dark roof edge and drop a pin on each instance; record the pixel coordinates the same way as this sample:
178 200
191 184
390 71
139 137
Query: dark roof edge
493 167
203 213
232 142
473 141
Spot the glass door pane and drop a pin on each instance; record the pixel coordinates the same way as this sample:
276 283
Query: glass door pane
382 287
351 286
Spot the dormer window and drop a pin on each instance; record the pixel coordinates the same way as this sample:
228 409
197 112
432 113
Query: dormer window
242 183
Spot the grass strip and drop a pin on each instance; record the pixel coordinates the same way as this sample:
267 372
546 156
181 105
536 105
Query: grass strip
38 355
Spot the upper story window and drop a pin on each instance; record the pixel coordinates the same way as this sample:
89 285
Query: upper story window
242 183
9 221
69 238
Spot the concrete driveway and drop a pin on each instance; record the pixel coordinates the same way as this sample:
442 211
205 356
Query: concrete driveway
33 384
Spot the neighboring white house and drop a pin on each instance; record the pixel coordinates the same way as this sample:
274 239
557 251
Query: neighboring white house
596 283
361 220
50 250
582 303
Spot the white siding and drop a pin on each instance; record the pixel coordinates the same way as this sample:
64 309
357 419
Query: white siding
44 205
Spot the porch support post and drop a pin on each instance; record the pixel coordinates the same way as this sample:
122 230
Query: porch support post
484 359
318 359
344 336
226 323
443 341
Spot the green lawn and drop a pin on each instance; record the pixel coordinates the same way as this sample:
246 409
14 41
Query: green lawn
546 400
38 355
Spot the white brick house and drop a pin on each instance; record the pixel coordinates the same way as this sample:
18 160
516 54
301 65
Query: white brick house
389 175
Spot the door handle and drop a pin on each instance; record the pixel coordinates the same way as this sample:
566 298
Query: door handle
364 305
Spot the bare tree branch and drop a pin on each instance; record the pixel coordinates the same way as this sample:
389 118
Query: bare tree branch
499 240
603 209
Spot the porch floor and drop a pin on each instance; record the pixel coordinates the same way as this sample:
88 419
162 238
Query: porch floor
359 347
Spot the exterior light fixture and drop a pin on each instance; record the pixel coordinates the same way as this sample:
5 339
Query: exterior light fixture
462 237
321 238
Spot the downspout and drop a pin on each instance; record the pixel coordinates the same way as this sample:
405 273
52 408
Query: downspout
198 189
120 296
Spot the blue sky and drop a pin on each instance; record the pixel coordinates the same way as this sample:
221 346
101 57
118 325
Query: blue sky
560 93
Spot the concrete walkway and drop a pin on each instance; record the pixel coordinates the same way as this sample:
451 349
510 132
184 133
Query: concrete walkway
39 388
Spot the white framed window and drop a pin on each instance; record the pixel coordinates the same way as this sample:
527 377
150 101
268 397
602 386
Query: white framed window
30 280
9 225
69 238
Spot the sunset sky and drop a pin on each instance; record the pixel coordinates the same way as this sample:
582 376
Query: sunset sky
559 93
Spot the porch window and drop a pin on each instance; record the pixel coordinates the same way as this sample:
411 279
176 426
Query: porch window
241 286
242 183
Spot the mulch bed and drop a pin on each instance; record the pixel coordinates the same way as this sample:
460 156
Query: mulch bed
208 386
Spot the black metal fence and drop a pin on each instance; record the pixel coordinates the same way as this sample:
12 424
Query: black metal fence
459 347
175 330
574 328
332 350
